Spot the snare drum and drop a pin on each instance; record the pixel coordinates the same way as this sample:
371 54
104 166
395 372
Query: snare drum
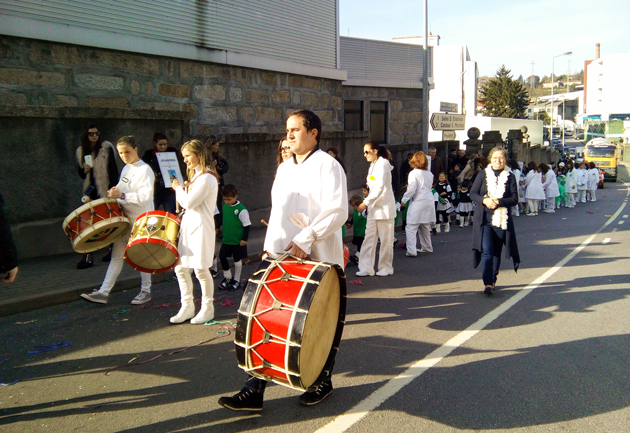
153 242
95 225
290 321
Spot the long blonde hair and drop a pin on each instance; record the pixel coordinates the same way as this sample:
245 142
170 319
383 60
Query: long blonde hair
202 152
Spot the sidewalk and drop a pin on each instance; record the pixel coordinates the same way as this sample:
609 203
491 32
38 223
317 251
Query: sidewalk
53 280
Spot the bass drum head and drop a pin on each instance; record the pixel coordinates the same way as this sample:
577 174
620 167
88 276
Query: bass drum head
153 257
102 234
320 328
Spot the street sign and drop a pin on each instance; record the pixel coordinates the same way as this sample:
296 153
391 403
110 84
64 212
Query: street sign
448 135
449 107
443 121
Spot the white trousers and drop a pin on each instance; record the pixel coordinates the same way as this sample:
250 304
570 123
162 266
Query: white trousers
593 194
570 199
533 205
186 285
424 232
375 230
551 203
115 266
581 196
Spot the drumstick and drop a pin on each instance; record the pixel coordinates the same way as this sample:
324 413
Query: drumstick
265 223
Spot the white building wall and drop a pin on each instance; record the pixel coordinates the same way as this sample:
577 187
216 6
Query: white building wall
608 89
267 34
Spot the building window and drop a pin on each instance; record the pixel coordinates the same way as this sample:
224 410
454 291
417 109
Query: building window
353 115
378 121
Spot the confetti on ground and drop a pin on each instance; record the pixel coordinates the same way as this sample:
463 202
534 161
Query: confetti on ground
61 318
610 216
224 302
159 306
106 372
400 245
133 359
589 211
9 383
24 323
49 347
356 282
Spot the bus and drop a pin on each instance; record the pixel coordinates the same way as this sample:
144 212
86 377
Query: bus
604 154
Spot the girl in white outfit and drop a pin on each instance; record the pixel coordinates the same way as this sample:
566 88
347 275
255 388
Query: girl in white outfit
421 212
381 207
593 180
196 234
550 185
533 188
134 193
570 187
582 183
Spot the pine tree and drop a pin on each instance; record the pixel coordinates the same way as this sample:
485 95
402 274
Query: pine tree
504 97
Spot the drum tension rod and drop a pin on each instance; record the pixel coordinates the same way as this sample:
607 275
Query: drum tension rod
276 305
266 337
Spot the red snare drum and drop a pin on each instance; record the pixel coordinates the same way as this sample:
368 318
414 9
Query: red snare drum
95 225
290 321
153 242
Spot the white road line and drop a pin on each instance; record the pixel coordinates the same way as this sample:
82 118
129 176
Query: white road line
605 241
625 216
621 222
344 421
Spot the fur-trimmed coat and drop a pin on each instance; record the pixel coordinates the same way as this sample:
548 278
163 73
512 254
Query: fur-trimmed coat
104 173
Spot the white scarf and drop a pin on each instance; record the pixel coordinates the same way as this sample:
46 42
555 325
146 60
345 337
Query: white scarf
496 189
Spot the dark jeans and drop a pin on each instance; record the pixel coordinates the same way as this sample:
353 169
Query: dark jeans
491 247
166 199
259 385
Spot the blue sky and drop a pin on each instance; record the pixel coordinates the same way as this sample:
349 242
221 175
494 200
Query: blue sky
497 32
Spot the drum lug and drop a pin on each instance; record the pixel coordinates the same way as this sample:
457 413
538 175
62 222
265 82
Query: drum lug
285 277
266 337
276 305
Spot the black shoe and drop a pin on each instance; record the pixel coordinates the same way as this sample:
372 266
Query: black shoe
246 399
86 262
108 256
242 285
354 259
314 397
214 274
224 285
487 291
232 285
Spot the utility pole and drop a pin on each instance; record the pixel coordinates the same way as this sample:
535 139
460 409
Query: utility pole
425 83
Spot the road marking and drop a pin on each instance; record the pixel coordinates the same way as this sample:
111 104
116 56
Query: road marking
605 241
621 222
346 420
625 216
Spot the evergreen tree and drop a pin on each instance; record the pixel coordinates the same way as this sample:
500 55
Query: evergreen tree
504 97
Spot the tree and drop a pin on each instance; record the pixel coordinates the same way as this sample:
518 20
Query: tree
533 81
504 97
542 115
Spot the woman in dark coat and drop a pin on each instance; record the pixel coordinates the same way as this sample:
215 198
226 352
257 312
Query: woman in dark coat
495 191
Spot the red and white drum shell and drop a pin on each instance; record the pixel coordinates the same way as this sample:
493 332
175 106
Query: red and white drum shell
152 246
96 225
290 321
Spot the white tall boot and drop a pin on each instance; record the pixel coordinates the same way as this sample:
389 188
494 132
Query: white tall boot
466 221
437 228
187 311
462 219
207 300
447 227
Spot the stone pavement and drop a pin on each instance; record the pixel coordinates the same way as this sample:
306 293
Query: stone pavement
53 280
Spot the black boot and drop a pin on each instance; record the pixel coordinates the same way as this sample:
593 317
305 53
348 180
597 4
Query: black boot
86 262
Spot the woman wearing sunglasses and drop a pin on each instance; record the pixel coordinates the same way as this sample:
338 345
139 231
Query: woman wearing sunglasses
96 160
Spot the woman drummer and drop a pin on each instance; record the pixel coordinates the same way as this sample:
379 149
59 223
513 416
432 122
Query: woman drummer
196 234
134 193
97 167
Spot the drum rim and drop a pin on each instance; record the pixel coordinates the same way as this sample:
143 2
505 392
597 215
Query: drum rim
161 242
81 236
90 205
160 213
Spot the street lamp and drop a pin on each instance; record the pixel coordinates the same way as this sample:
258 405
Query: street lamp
568 53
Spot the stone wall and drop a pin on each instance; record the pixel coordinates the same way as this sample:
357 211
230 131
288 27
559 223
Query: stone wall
404 111
49 92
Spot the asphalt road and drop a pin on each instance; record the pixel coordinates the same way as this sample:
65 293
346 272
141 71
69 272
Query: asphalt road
555 360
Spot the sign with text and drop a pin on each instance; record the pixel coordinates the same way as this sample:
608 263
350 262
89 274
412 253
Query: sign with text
448 135
443 121
169 166
449 107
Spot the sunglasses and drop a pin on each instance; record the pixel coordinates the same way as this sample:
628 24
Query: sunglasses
366 152
94 134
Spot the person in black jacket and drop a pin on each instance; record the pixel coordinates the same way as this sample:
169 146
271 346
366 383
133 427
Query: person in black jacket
8 251
162 196
495 191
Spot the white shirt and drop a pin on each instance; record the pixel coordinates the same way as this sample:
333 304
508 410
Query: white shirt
533 186
317 189
196 233
136 182
421 209
380 201
551 185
